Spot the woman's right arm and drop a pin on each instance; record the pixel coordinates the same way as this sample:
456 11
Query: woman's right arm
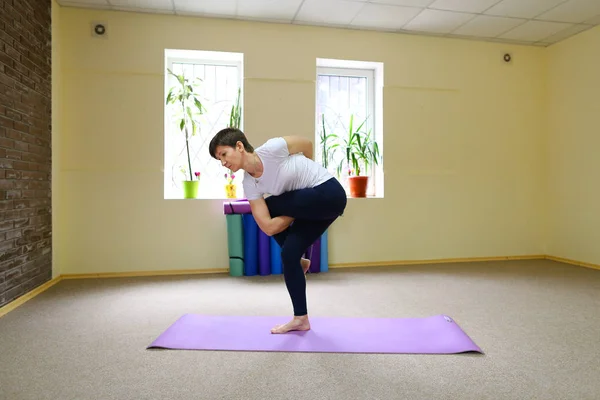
270 226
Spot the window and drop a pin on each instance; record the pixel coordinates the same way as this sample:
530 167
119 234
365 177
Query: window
221 83
349 100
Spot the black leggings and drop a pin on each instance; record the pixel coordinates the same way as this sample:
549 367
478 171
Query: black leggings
313 210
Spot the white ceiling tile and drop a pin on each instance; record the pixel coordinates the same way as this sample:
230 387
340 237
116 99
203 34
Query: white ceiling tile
210 7
480 19
572 11
409 3
571 31
522 8
535 30
268 9
383 16
336 12
474 6
488 26
437 21
144 4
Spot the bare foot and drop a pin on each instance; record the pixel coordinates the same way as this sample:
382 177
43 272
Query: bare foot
305 264
296 324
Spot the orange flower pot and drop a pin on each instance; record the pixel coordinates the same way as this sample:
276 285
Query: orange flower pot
358 186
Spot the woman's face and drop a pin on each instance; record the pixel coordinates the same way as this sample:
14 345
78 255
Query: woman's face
230 157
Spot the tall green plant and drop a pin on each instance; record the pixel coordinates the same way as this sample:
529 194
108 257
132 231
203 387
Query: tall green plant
326 143
189 107
358 148
235 121
235 118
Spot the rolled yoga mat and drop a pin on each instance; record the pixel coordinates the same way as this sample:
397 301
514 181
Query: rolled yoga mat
315 257
250 245
264 253
276 266
237 207
235 244
324 252
430 335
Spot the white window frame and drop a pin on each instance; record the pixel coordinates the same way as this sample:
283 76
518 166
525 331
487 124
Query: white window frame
205 58
357 73
373 72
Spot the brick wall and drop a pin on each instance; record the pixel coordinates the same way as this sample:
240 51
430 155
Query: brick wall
25 146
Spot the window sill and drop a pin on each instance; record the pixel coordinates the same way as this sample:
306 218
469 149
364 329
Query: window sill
364 198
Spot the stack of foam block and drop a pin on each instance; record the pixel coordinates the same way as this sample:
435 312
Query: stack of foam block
252 252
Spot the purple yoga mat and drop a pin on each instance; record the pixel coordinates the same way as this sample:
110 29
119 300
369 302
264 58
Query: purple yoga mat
431 335
237 207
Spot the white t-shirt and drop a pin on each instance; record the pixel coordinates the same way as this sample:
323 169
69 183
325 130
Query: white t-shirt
282 171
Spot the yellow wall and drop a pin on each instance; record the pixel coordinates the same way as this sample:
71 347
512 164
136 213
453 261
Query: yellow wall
463 131
573 162
56 138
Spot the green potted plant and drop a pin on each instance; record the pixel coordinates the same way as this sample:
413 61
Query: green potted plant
188 108
190 187
360 151
235 120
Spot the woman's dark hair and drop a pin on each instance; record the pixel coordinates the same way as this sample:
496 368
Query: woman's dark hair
228 137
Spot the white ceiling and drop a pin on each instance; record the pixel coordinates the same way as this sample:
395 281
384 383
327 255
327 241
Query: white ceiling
534 22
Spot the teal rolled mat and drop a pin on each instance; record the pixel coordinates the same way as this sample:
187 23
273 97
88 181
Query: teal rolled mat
235 244
235 266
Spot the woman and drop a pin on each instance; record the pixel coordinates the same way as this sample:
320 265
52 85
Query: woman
300 191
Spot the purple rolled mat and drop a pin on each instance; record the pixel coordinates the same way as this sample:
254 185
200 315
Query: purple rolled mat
264 253
237 207
315 257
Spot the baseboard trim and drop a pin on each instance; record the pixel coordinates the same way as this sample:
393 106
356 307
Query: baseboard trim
147 273
339 265
573 262
435 261
28 296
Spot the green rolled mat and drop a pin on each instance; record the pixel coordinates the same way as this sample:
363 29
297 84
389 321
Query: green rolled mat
236 267
235 244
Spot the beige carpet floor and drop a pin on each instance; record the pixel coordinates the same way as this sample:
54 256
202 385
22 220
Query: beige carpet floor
537 321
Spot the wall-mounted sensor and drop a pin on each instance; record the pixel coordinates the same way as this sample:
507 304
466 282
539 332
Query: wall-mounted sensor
99 29
507 57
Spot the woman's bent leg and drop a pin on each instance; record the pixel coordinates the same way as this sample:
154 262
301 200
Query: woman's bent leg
322 202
